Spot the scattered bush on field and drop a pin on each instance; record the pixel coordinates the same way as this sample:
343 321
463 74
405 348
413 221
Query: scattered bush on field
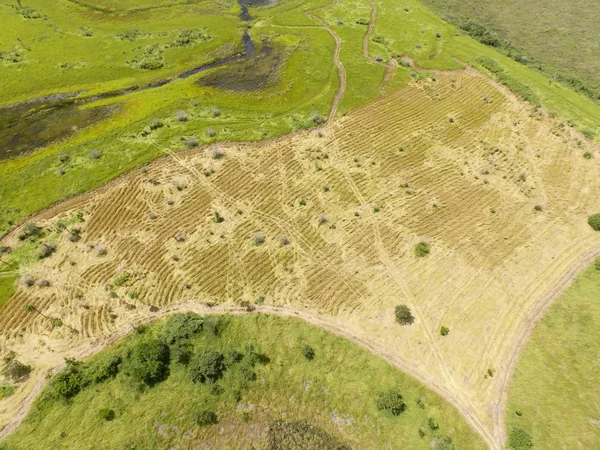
391 401
204 418
308 352
433 423
181 354
29 230
210 132
444 330
95 154
208 365
100 249
180 327
181 116
217 153
69 381
213 325
598 263
148 361
594 221
6 390
538 208
192 142
106 414
259 238
442 443
503 77
404 315
27 280
422 249
587 155
363 21
216 112
45 250
15 370
103 369
218 218
519 439
130 35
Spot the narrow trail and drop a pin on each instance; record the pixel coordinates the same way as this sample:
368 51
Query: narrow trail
336 59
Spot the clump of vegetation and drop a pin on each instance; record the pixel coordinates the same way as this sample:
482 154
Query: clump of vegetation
594 221
597 264
391 401
433 424
121 279
444 330
503 77
404 315
188 38
538 208
180 327
181 116
206 418
519 439
130 35
149 361
210 132
259 238
208 365
30 230
6 390
69 381
218 218
481 34
150 58
106 414
422 249
308 352
15 370
95 154
45 250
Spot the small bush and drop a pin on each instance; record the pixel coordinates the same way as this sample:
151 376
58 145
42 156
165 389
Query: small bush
422 249
45 250
443 443
103 369
15 370
218 218
69 381
216 112
308 352
391 401
181 327
598 263
217 153
192 142
106 414
259 238
95 154
6 390
212 325
480 33
404 315
100 249
29 230
444 331
210 132
207 365
538 208
519 440
433 423
181 116
594 221
587 155
205 418
27 280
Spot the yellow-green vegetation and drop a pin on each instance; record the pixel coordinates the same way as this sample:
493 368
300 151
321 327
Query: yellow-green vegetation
558 37
266 380
554 397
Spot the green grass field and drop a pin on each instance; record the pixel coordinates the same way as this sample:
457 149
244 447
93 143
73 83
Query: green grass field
554 394
336 392
558 35
95 47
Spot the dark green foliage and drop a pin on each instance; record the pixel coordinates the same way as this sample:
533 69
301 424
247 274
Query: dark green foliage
149 361
45 250
218 218
443 443
181 327
594 221
233 357
300 436
104 368
422 249
212 325
207 365
106 414
70 380
519 439
538 208
205 418
15 370
181 354
597 263
444 330
6 390
308 352
433 423
480 33
29 230
503 77
391 401
404 315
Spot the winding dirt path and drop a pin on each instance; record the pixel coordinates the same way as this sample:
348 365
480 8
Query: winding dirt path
336 58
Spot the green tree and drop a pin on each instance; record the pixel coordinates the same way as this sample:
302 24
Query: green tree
207 365
149 361
519 439
391 401
404 315
422 249
594 221
308 352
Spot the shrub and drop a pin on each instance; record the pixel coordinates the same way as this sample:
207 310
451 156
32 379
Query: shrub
210 132
95 154
156 124
217 153
284 240
181 116
27 280
480 33
233 357
538 208
216 112
181 355
181 327
519 439
391 401
433 423
192 142
587 155
259 238
594 221
45 250
100 249
443 443
149 361
207 365
218 218
598 263
103 369
212 325
15 370
29 230
69 381
205 418
106 414
323 219
6 390
308 352
444 330
422 249
404 315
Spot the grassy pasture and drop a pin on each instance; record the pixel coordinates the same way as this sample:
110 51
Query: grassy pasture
554 394
559 35
336 391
